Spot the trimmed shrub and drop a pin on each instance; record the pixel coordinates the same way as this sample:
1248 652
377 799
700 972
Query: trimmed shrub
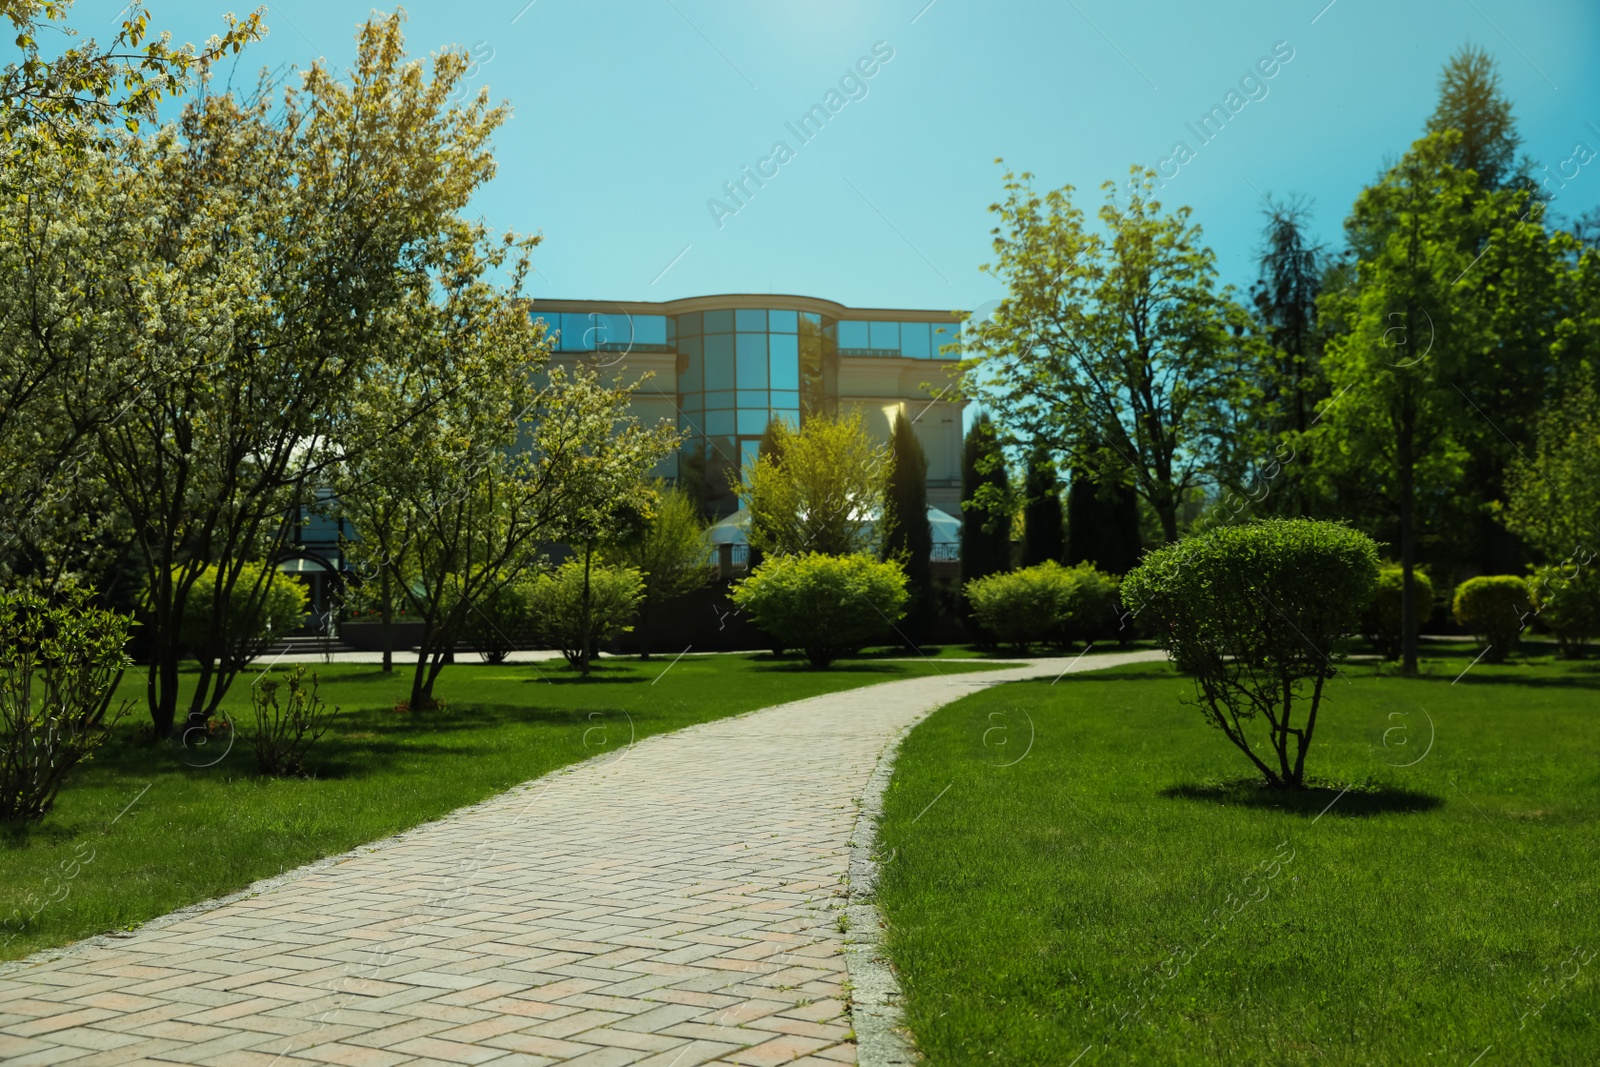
1568 605
280 609
1382 622
59 665
614 595
1254 613
499 624
1493 606
826 606
1047 603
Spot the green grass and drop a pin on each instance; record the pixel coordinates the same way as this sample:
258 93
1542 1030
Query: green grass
1093 894
196 832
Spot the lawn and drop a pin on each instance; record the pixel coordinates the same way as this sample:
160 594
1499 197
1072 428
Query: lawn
144 829
1077 869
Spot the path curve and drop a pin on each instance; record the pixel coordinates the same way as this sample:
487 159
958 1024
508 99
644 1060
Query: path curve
675 904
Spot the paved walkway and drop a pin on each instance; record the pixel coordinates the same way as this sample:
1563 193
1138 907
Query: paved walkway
675 904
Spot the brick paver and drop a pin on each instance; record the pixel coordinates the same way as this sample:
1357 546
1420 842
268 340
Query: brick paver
672 905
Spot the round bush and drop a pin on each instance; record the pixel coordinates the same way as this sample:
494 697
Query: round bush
1493 606
246 633
1382 622
1567 600
1254 612
614 595
502 622
1045 603
824 605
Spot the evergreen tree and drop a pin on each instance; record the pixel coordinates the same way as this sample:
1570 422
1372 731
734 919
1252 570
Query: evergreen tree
907 536
1042 535
985 504
1471 103
1102 524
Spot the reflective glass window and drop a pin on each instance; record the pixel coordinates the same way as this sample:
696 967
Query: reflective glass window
614 331
885 336
945 335
853 335
720 424
690 378
753 420
689 324
719 322
752 361
753 398
719 399
751 319
812 317
749 449
785 361
783 321
785 399
719 361
689 423
576 333
789 415
649 329
914 340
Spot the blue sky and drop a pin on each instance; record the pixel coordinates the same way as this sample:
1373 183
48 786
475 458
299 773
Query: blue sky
631 115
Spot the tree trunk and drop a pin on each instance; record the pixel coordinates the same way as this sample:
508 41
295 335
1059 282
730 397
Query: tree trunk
644 627
386 632
584 643
1408 535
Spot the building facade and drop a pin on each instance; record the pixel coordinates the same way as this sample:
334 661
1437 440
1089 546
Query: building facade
722 367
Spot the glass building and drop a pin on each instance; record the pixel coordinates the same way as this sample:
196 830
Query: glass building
723 367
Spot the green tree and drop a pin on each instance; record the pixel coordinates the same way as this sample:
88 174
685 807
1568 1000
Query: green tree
771 447
580 604
1043 535
1116 350
1404 335
1102 523
1471 103
668 549
907 537
821 493
828 606
986 503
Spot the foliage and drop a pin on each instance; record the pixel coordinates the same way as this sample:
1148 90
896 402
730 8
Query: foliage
1383 618
1043 533
987 506
827 606
669 550
1117 350
1553 497
819 492
1409 343
1471 104
60 661
907 537
263 606
1567 603
1493 606
1044 604
614 593
502 621
282 730
1254 612
92 85
1102 523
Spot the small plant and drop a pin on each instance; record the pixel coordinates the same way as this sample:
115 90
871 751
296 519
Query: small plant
1567 601
1382 622
1494 606
614 595
826 606
60 660
264 606
1044 604
284 729
1254 613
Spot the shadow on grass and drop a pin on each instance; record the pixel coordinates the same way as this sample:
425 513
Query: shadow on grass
1314 800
